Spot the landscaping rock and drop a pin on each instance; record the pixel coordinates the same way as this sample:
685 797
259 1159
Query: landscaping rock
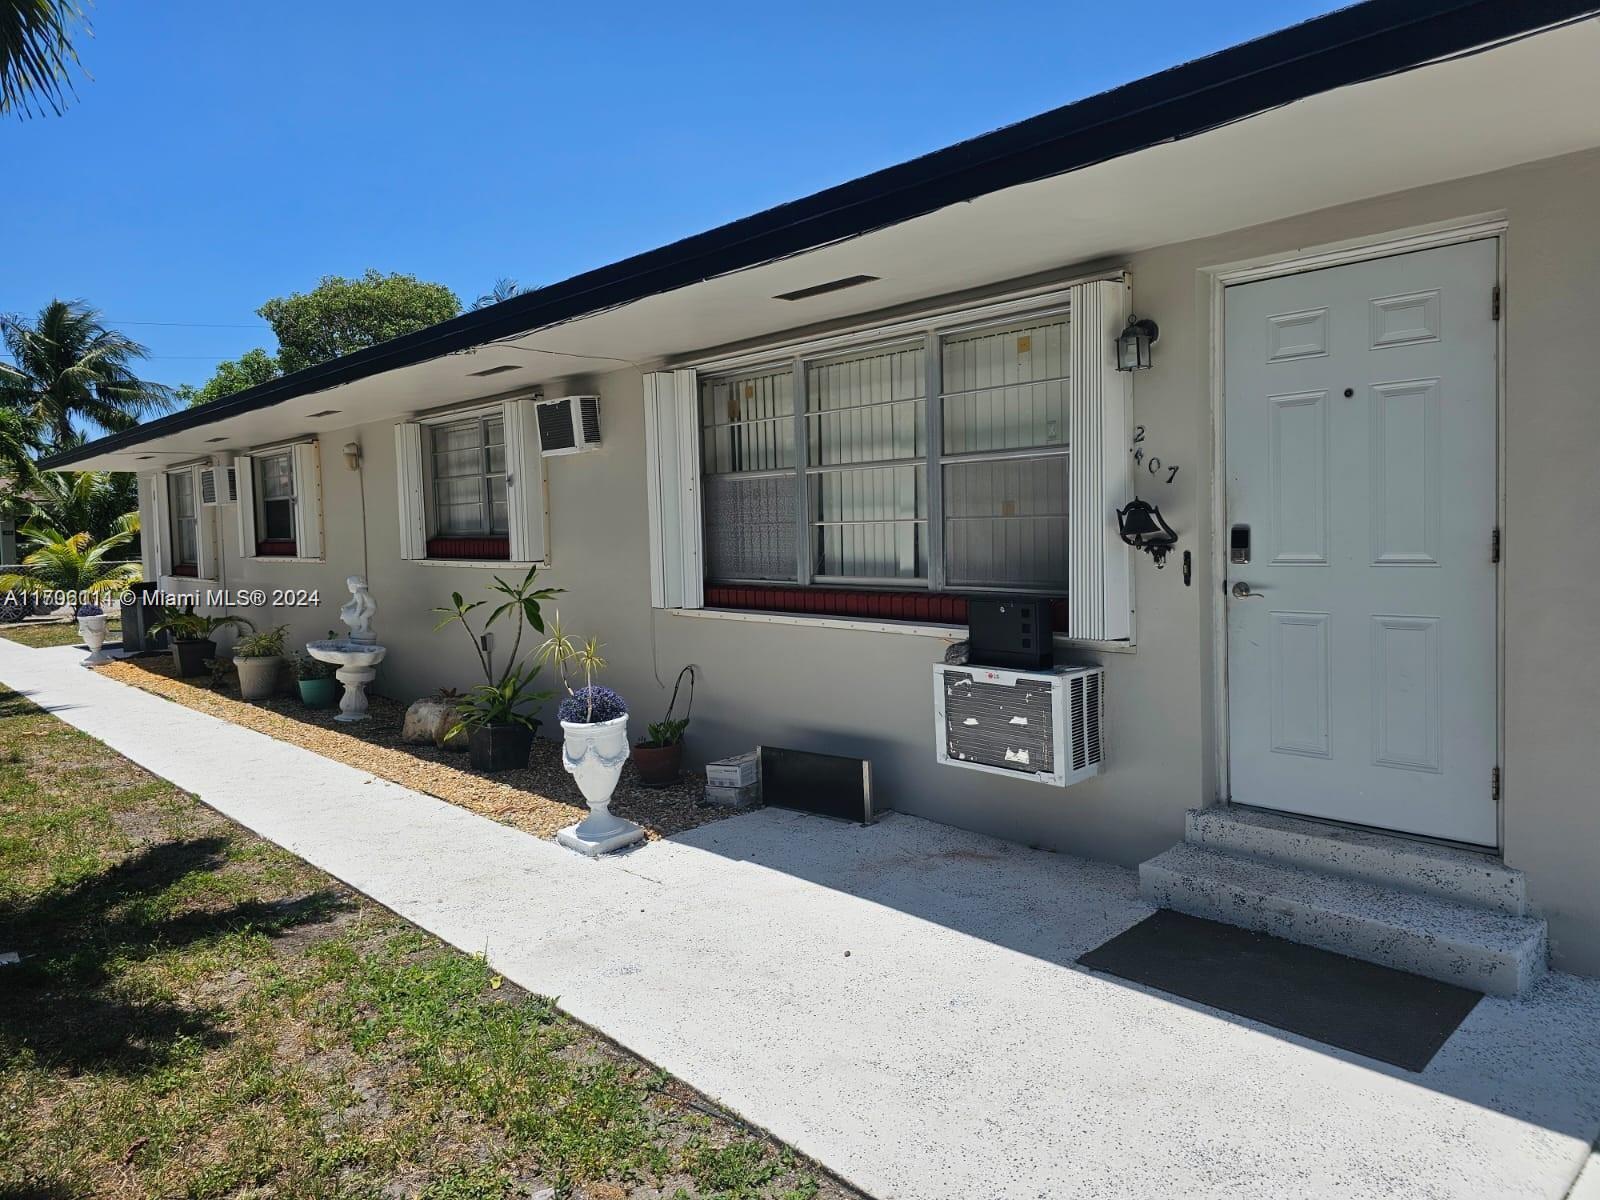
426 723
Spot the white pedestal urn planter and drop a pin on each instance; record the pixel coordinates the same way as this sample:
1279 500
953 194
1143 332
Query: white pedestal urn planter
593 755
92 629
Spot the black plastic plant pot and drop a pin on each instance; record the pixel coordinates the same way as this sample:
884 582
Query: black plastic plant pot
499 747
190 657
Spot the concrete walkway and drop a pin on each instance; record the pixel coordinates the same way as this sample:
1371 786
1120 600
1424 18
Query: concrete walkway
900 1002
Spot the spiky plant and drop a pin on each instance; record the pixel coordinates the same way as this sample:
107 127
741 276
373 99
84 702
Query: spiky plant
74 563
36 54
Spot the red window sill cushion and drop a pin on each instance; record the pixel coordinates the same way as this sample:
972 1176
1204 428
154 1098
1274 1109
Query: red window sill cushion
482 548
186 570
922 607
275 548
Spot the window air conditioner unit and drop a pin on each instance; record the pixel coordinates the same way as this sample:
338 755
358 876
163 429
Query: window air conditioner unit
1043 726
568 425
208 486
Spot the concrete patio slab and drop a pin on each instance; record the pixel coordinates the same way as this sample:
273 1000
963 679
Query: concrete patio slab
901 1002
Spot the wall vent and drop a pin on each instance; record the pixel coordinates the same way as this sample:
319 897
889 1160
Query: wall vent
1044 726
568 425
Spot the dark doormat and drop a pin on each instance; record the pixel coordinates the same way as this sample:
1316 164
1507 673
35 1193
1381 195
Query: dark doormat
1392 1016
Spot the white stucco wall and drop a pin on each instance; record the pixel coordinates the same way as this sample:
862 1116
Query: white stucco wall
870 693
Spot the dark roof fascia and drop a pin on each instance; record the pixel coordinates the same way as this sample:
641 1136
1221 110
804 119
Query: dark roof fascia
1363 42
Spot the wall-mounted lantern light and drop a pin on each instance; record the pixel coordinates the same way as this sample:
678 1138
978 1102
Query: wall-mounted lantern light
1134 342
1144 528
352 455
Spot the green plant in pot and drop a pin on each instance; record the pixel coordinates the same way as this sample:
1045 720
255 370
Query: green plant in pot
314 678
258 658
494 715
193 637
658 756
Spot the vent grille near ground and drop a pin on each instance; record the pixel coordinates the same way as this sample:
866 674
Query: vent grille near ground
555 425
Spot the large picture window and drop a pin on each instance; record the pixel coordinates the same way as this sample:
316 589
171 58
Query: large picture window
869 484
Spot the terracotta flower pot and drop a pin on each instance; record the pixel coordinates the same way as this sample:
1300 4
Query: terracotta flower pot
658 766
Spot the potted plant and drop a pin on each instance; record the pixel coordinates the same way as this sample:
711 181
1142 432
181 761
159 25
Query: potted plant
257 659
494 714
193 638
594 725
658 757
92 629
314 678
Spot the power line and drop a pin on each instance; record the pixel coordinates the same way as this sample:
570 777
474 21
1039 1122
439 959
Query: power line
190 324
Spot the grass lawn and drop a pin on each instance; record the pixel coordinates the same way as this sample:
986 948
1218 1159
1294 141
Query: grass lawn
198 1014
55 633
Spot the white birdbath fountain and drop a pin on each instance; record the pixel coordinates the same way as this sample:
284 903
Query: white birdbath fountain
356 655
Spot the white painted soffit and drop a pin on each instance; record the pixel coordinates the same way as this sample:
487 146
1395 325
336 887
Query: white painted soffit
1535 98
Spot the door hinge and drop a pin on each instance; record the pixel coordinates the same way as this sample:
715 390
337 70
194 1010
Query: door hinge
1494 303
1494 785
1494 545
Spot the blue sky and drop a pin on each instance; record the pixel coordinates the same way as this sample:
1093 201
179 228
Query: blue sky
226 153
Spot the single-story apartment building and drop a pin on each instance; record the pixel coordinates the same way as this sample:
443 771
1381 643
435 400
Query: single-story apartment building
794 446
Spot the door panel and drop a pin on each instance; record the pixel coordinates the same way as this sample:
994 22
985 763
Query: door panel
1360 416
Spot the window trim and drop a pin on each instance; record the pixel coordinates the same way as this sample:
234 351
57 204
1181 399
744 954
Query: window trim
192 473
259 498
1100 568
930 336
481 418
528 509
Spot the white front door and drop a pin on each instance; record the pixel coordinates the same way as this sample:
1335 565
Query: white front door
1360 588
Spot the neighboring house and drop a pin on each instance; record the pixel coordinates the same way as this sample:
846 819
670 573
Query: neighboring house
1369 242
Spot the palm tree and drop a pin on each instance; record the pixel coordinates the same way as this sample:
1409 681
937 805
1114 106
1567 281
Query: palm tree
503 289
68 367
35 53
92 501
18 444
75 563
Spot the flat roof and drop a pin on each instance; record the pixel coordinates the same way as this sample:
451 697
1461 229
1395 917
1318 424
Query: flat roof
1364 42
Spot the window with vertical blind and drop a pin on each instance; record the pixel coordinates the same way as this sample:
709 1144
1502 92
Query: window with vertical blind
468 469
869 483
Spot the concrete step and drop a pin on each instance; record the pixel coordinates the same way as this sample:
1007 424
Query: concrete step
1478 948
1465 876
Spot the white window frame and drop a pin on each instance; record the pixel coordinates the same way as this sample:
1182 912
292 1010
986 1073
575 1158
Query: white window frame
165 556
527 506
483 475
305 458
1099 420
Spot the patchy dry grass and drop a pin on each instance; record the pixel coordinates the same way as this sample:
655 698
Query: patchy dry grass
200 1014
55 633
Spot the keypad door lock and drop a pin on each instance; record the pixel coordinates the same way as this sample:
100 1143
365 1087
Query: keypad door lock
1239 544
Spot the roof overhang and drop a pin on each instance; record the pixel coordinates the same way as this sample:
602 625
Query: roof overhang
1366 101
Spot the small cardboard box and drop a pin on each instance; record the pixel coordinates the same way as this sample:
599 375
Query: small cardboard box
740 771
733 797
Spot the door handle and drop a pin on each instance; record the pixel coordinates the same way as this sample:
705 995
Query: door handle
1241 591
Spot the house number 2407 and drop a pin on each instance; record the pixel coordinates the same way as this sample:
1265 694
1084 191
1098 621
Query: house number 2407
1150 463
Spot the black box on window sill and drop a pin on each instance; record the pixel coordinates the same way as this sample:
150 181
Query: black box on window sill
1013 632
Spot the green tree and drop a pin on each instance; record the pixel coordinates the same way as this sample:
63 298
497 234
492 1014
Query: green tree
36 54
98 503
251 368
74 562
69 369
342 315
